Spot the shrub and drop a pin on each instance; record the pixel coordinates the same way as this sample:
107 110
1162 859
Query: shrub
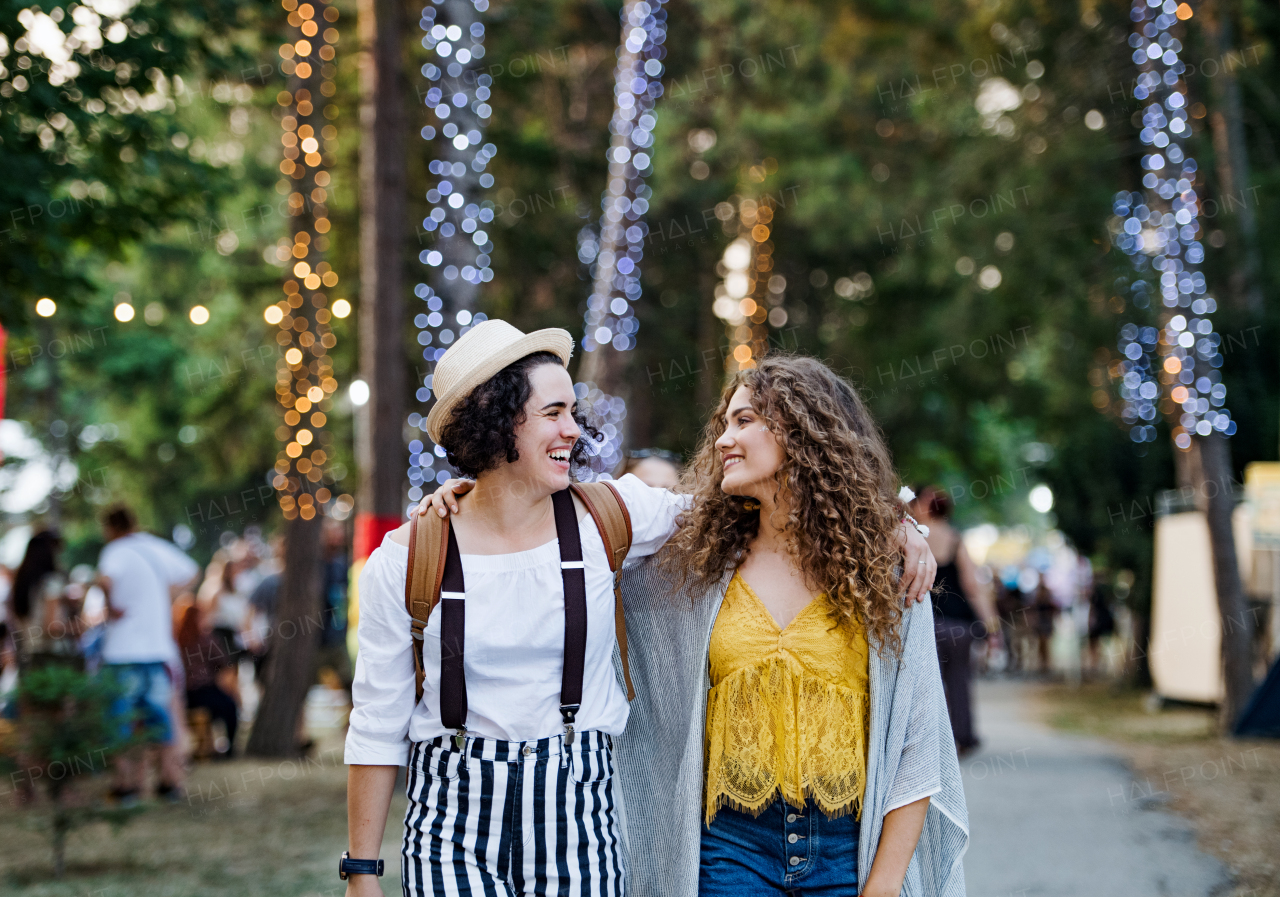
62 743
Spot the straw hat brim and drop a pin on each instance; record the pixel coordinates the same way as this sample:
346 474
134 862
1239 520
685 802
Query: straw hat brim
487 361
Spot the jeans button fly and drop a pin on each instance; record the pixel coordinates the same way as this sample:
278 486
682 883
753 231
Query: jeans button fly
793 838
795 861
791 817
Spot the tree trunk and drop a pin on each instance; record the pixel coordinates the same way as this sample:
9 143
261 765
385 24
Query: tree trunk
1232 156
380 449
53 404
61 825
1138 668
294 643
1215 485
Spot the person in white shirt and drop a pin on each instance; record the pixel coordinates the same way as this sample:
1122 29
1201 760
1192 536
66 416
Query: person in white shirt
514 800
139 573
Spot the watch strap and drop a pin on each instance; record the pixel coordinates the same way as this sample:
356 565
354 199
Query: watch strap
348 867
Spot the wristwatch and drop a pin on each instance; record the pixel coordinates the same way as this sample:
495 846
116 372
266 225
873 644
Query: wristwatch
348 867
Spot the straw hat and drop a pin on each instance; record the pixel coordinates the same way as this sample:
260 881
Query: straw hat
482 351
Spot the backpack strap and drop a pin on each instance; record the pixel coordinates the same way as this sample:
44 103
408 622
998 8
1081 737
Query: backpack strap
428 543
614 522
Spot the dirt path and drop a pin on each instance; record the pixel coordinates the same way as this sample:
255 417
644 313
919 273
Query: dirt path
1053 814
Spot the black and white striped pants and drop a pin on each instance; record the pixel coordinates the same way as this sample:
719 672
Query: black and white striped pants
512 818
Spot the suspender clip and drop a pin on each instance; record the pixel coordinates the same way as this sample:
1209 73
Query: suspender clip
568 712
460 740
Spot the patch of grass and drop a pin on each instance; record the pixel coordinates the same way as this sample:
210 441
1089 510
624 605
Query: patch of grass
247 828
1126 714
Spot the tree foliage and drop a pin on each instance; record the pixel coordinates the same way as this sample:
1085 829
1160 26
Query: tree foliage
942 174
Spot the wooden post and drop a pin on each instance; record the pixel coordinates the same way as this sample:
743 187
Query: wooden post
295 641
380 448
1214 483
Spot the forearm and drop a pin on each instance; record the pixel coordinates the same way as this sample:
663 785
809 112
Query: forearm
369 790
898 839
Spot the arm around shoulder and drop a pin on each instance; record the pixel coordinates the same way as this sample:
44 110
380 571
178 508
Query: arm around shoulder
653 512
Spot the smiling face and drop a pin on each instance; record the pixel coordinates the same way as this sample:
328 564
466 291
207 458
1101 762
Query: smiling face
546 436
748 450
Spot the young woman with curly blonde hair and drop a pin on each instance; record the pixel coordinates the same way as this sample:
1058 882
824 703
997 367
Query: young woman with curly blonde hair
789 734
789 730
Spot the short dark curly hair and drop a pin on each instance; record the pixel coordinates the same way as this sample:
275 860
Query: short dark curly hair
481 431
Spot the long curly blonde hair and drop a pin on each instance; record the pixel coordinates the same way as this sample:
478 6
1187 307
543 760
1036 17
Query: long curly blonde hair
843 514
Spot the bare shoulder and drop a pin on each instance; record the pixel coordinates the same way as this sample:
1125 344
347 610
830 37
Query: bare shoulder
401 535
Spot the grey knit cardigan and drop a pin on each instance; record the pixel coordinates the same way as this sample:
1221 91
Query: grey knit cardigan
910 754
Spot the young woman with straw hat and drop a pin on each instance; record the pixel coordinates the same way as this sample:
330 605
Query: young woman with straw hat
510 776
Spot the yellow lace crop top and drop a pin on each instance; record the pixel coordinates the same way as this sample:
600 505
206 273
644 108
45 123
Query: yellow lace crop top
788 709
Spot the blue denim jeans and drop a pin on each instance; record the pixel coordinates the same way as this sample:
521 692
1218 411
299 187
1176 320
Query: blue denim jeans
145 700
784 850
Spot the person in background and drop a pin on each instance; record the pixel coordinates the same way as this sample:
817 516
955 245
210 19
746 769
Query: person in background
202 661
1043 613
139 574
653 467
262 611
333 638
8 658
956 620
229 609
1010 614
40 616
1102 621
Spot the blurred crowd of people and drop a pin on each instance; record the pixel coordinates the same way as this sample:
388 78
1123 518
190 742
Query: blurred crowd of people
189 649
1001 619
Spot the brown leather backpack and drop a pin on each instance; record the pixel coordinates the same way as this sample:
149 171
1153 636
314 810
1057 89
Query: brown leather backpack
429 539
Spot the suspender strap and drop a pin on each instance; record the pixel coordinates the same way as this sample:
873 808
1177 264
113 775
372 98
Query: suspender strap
575 607
453 683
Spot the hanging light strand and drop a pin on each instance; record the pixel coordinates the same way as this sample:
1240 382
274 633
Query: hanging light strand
617 248
614 248
458 260
748 298
304 375
1169 366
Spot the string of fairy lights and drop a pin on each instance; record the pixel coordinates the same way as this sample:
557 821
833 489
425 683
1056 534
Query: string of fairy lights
458 260
748 298
614 247
304 375
615 251
1171 368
